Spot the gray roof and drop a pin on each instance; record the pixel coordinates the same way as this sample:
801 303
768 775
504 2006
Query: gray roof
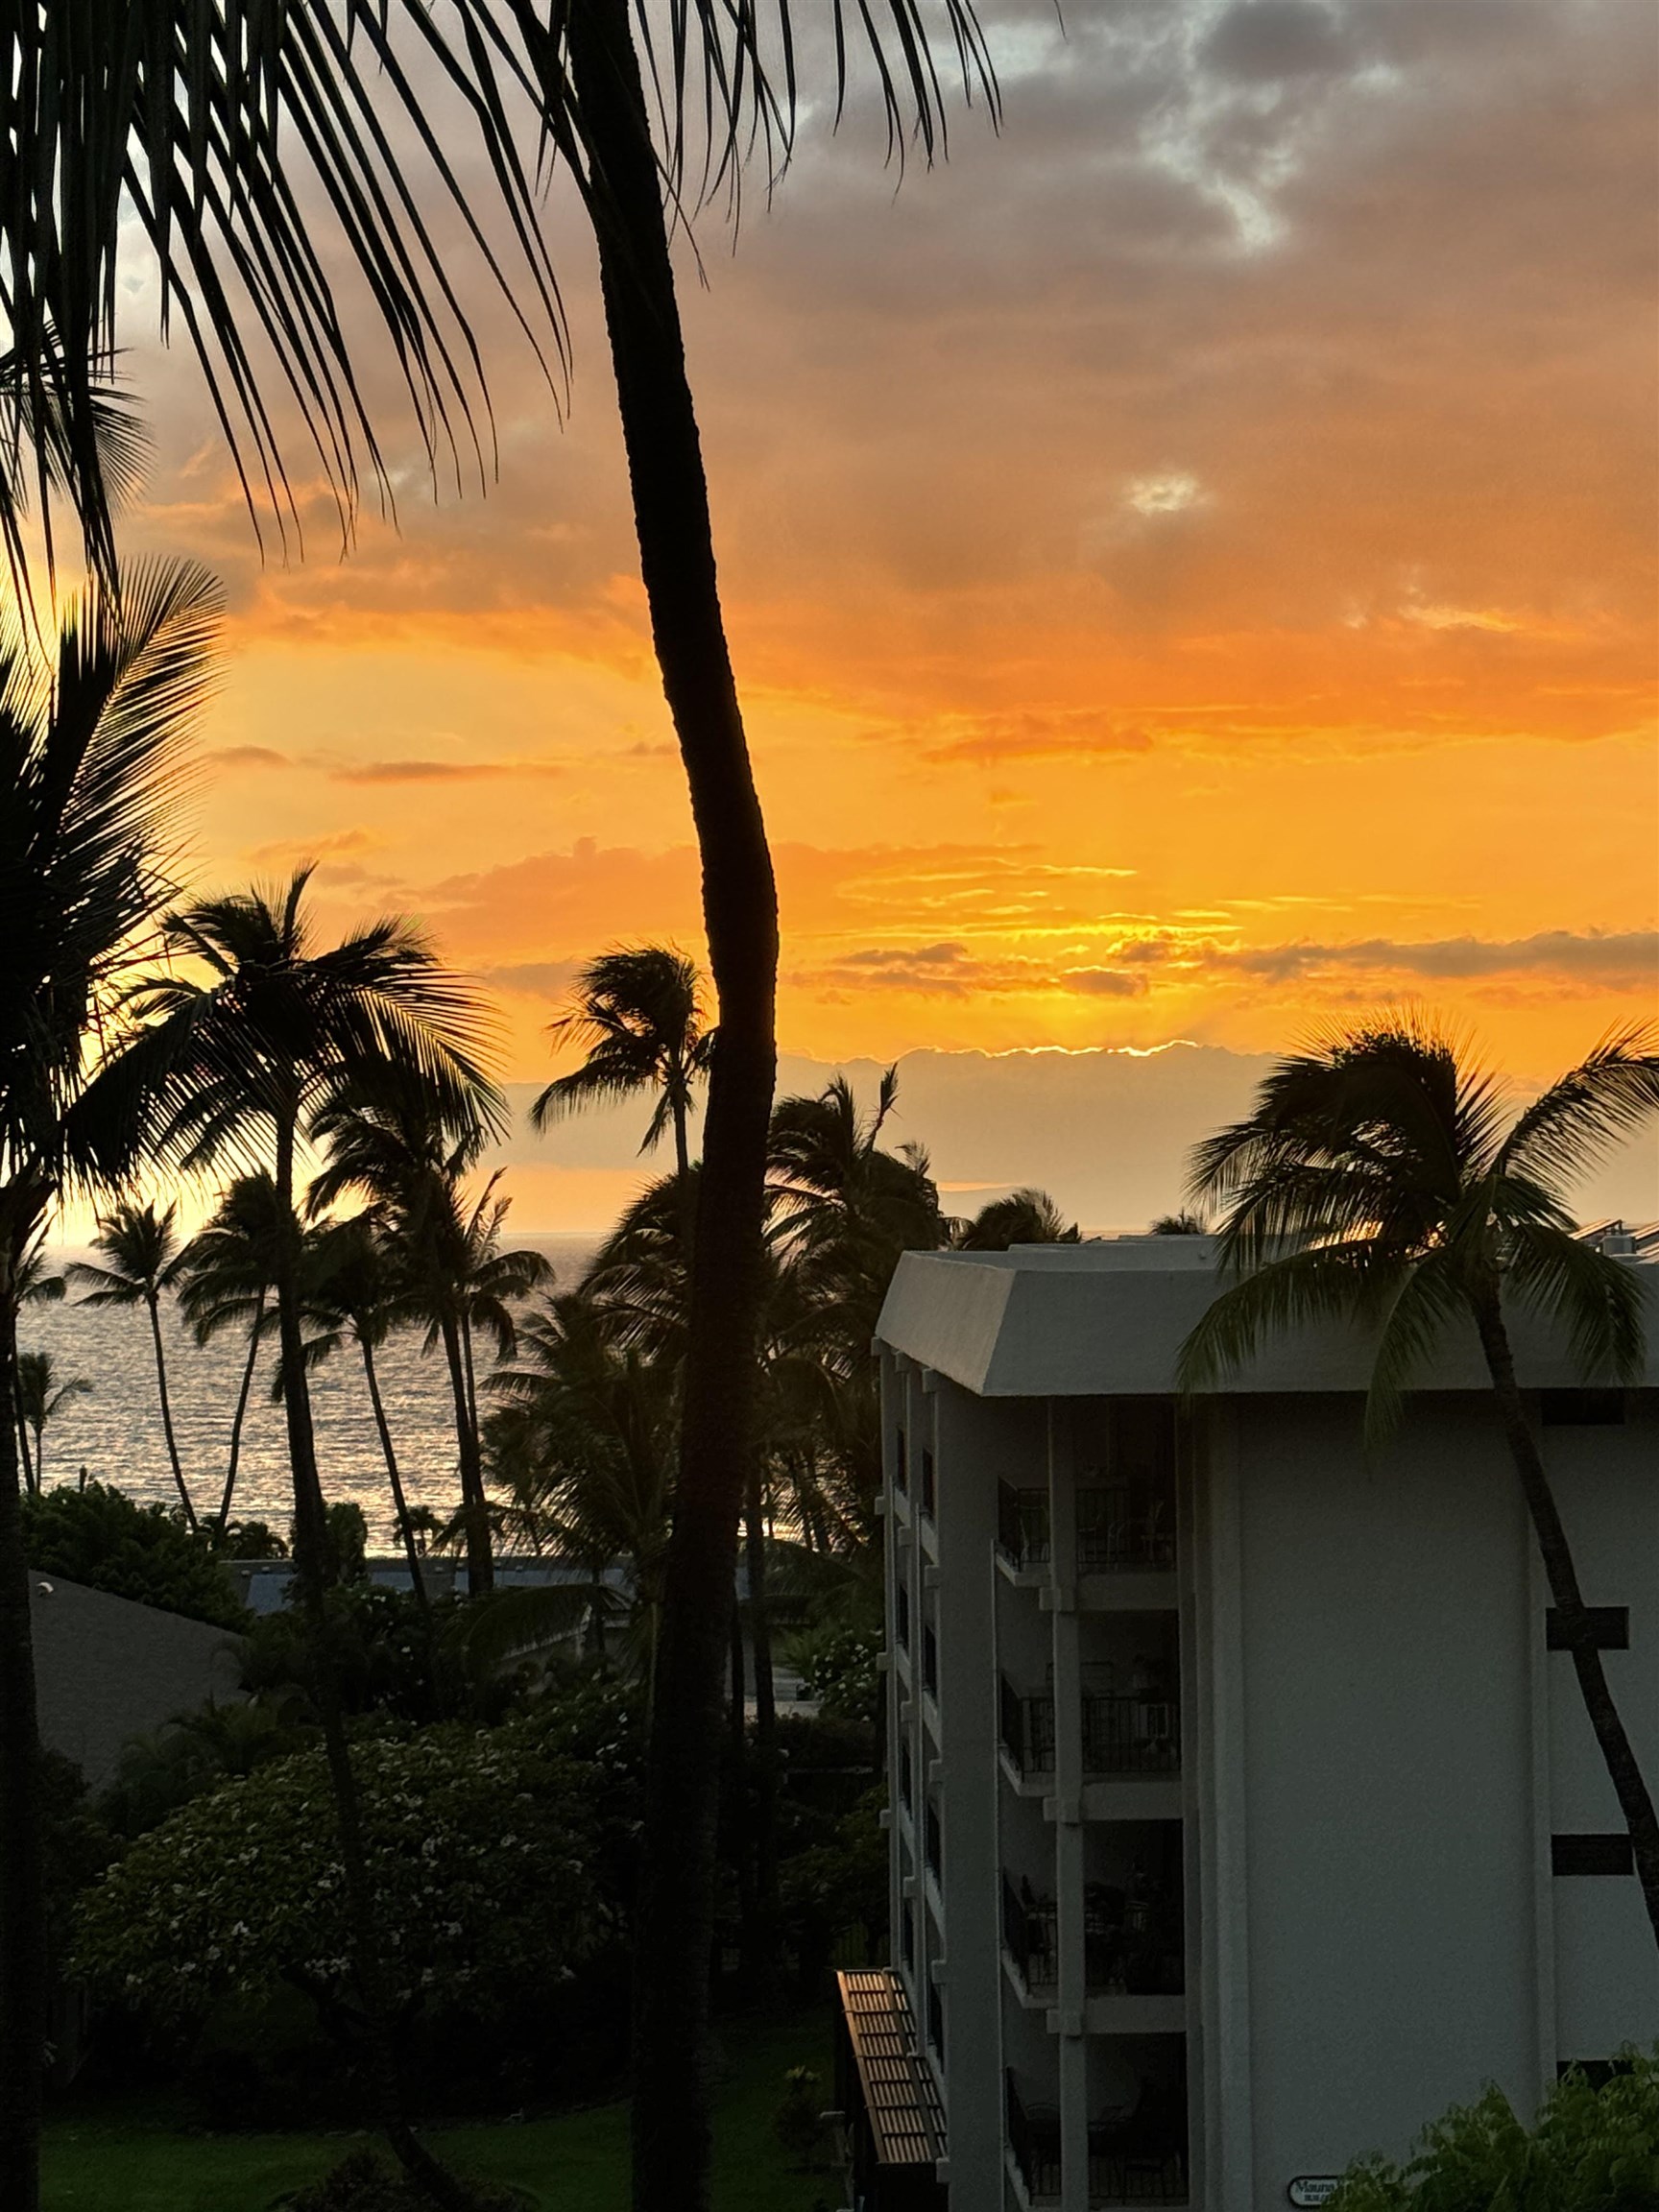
1107 1318
107 1668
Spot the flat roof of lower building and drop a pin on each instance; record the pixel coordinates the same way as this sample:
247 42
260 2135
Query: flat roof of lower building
1107 1318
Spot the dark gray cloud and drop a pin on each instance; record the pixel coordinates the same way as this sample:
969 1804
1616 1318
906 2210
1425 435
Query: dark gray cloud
245 756
1616 958
439 771
1269 39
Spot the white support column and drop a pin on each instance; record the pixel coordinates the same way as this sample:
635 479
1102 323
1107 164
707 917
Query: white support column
1224 2131
971 1975
1069 1909
895 1561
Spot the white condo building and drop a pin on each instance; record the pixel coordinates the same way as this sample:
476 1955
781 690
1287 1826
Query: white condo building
1244 1817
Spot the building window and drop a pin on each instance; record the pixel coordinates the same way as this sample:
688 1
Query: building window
901 1462
1609 1628
936 2020
907 1935
907 1775
901 1617
1591 1855
927 1483
1598 2072
934 1842
1583 1409
930 1661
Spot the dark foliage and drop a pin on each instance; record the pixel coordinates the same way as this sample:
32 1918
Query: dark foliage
102 1538
362 2184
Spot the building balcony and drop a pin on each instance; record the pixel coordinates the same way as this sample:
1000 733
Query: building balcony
1139 1734
1122 1527
1133 1946
1137 2155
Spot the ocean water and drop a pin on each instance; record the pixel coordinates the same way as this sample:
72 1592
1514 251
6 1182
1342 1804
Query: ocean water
114 1430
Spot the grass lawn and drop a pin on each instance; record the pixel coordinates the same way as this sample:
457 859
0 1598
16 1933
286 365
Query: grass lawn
125 2158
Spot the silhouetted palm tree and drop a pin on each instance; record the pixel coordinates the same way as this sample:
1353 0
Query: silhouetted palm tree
187 119
1024 1216
1378 1177
143 1261
352 1289
638 1012
245 1051
583 1438
1185 1223
226 1274
90 749
391 1141
42 1397
33 1284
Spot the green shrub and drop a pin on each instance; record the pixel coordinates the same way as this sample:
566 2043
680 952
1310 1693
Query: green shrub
1593 2149
798 2123
362 2184
107 1540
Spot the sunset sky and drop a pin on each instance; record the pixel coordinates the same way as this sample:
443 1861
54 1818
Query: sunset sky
1190 560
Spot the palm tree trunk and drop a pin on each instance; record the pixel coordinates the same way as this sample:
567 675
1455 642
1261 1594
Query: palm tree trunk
765 1762
474 1505
671 2123
400 1505
242 1397
1635 1801
31 1480
22 1905
154 1305
311 1572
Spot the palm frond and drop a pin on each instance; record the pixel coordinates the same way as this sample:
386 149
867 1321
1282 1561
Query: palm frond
1595 1297
1336 1281
1592 1109
1426 1298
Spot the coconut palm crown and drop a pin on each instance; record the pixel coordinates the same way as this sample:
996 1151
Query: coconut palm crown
143 1261
1379 1178
640 1011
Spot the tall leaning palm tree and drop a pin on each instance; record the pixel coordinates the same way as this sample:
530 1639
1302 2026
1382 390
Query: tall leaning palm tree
638 1011
1378 1178
226 1274
143 1261
257 149
91 750
253 1030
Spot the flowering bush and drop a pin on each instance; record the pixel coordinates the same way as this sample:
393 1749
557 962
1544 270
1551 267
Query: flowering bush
479 1843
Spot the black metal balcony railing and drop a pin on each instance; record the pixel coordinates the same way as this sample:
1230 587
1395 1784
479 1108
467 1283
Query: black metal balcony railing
1028 1730
1134 1735
1022 1525
1131 1735
1034 2139
1139 2158
1123 1526
1030 1934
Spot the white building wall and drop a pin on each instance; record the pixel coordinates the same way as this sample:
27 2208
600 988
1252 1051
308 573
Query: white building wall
1386 1616
1606 1970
